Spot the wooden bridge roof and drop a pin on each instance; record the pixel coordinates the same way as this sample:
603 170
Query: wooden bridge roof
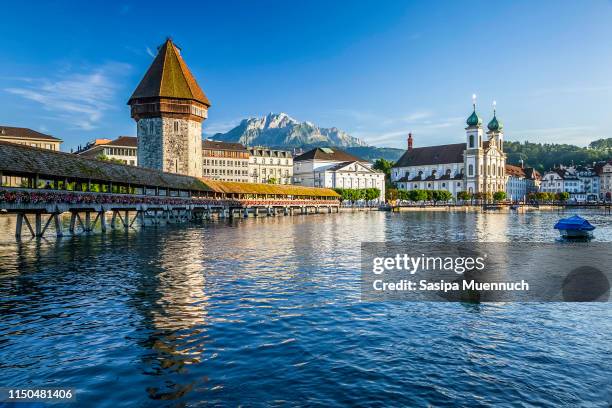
26 160
236 187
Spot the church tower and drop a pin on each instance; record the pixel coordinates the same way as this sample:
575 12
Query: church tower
473 155
169 107
495 157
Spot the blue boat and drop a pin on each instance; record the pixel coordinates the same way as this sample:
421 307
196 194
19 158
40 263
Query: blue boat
574 227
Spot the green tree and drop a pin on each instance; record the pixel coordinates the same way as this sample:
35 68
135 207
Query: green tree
105 158
564 196
392 194
444 195
464 195
403 195
499 196
384 166
372 193
272 180
419 195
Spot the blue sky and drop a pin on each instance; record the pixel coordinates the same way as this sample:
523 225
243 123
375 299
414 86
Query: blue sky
377 69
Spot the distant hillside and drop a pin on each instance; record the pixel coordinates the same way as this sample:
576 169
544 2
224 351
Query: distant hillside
372 153
280 129
545 156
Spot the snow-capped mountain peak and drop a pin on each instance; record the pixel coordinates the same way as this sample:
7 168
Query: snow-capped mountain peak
280 129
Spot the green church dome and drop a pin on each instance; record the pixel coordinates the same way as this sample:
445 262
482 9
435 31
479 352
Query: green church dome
474 119
495 125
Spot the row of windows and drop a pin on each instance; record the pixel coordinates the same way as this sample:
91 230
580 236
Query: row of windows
48 146
278 162
226 172
225 163
119 151
270 172
225 153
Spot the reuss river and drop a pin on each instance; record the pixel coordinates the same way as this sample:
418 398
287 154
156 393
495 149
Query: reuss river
267 312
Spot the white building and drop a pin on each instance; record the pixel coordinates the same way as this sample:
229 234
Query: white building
269 164
476 166
581 183
225 161
123 149
521 181
604 171
333 168
29 137
589 183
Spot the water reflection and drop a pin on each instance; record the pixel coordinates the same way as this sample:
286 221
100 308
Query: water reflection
265 310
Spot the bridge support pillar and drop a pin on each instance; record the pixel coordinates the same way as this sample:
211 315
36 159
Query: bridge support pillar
88 226
21 218
58 224
126 220
72 226
102 216
38 224
246 213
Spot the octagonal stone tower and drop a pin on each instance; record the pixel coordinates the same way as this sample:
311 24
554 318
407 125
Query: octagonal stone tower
169 107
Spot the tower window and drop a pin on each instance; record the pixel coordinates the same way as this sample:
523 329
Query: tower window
471 170
176 126
471 141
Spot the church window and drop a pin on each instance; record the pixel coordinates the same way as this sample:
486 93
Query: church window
471 170
176 126
471 141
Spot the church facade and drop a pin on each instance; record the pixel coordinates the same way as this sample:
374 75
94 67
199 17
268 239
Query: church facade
478 165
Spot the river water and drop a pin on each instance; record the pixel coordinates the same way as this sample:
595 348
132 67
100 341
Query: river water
267 312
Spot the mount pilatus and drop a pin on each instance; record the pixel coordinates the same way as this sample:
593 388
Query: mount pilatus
281 130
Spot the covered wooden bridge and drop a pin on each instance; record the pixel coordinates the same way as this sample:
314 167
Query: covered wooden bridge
40 185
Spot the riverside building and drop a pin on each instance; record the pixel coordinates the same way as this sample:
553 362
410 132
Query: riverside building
225 161
476 166
266 165
333 168
123 149
582 183
520 181
29 137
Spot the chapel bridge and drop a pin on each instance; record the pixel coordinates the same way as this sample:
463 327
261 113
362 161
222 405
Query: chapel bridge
40 185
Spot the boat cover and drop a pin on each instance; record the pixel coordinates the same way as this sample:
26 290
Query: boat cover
575 223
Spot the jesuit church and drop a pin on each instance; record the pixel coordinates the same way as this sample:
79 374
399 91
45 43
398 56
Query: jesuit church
477 166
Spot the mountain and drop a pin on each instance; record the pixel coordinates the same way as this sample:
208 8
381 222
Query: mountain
280 129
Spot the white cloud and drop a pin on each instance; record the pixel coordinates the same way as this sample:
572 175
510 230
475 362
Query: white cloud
77 98
150 52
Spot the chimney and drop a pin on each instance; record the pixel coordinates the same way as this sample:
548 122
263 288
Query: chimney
409 142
